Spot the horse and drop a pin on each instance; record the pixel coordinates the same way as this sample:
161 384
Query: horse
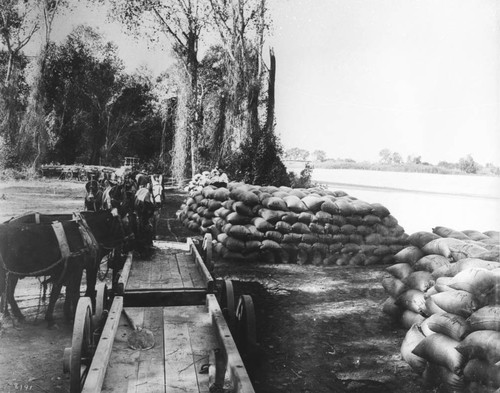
36 244
93 196
144 208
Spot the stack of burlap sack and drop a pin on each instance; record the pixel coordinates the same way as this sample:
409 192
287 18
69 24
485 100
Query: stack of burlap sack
286 225
445 288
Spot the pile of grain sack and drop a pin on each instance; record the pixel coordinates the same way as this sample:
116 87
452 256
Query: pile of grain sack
287 225
445 288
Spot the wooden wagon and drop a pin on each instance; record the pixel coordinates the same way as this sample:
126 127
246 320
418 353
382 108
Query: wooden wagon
192 318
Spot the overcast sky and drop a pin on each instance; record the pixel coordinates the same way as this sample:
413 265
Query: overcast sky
419 77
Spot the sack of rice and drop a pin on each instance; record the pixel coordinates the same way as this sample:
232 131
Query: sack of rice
441 246
486 318
409 318
290 218
382 250
292 238
493 235
316 228
413 300
347 229
390 221
361 208
350 248
371 219
242 209
356 239
283 227
221 194
294 204
430 263
380 210
421 238
474 280
306 217
338 220
330 207
481 344
449 232
309 238
262 224
300 227
400 270
213 205
268 244
467 250
393 286
313 203
358 259
239 232
237 219
271 216
345 207
413 338
431 308
322 217
419 280
208 192
481 371
274 235
440 349
462 303
442 284
436 376
247 197
233 244
475 235
275 203
410 255
451 325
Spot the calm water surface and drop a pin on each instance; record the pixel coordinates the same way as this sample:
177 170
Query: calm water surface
423 201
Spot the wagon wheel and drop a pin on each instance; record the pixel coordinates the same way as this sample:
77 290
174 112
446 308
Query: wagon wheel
77 359
68 175
246 336
226 299
101 303
207 248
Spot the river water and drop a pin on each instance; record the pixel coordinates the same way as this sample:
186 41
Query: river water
421 201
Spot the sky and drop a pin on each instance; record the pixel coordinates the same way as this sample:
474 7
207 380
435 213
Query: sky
417 77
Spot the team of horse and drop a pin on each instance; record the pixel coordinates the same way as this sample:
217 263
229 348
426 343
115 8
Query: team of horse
118 217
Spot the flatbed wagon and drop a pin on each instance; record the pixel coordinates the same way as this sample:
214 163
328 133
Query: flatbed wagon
170 328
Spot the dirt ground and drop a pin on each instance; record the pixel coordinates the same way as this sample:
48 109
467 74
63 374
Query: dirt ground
320 329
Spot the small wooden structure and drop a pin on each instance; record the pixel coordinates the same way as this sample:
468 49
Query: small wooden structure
174 296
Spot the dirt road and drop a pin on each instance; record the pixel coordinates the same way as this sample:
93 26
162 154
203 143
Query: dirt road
320 329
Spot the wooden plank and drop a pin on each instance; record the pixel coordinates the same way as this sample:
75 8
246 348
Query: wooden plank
97 371
123 279
180 372
190 275
126 365
197 324
237 370
205 274
139 274
150 377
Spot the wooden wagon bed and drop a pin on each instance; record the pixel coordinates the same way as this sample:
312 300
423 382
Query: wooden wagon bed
169 295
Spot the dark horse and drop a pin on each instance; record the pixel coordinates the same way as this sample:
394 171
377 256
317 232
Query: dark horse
93 196
144 208
36 245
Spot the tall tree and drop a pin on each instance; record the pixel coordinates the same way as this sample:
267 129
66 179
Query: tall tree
34 138
18 24
182 22
243 26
